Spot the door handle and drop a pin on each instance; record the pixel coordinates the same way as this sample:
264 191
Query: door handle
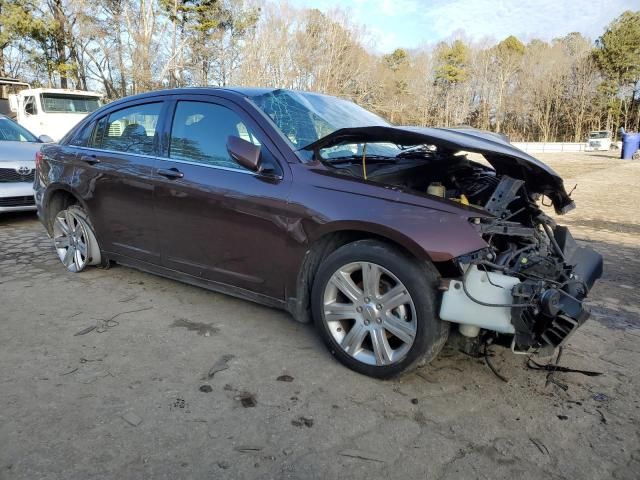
90 159
171 173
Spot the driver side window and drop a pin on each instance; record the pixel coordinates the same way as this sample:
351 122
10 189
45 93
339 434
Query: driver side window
200 130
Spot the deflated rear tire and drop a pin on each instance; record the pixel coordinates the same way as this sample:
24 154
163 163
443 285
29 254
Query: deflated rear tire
75 240
376 310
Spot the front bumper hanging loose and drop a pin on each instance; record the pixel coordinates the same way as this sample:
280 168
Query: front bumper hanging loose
535 316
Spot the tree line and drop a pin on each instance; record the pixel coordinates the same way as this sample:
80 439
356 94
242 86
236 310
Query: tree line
555 90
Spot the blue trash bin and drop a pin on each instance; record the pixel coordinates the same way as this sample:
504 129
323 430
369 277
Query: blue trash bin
630 145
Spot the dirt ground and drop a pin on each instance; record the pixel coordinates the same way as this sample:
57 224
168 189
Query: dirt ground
133 398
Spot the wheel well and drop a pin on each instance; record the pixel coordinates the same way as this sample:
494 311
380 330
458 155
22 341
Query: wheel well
58 200
300 305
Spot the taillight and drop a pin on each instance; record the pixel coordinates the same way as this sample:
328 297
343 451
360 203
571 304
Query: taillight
39 157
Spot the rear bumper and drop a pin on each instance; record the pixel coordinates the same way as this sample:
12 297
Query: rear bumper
23 208
16 197
597 148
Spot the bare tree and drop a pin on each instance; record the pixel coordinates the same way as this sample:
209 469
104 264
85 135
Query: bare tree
542 90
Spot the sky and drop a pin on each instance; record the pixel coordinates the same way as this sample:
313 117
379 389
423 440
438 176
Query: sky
413 23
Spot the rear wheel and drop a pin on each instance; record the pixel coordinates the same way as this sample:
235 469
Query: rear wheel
74 239
375 308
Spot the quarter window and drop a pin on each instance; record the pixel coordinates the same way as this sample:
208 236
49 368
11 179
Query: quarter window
129 130
81 138
200 131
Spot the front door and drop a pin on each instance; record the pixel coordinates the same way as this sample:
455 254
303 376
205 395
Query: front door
30 115
216 219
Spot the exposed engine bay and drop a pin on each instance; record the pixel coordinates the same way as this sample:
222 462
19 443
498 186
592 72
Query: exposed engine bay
526 289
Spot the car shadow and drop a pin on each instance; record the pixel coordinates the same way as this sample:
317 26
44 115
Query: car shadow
7 218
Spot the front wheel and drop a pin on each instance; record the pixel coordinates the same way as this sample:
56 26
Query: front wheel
75 240
375 308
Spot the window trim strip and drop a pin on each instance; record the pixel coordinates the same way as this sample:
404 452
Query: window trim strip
155 157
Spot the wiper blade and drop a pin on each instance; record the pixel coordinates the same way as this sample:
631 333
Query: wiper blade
358 158
415 152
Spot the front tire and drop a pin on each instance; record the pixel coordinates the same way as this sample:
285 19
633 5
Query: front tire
74 239
376 309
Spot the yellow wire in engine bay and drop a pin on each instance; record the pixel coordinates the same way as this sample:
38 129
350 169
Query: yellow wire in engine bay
364 163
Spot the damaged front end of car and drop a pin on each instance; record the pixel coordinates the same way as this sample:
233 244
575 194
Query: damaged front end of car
526 289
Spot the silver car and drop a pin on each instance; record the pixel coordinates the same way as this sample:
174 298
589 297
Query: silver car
18 147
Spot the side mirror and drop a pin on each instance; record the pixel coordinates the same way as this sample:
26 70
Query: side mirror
245 153
45 139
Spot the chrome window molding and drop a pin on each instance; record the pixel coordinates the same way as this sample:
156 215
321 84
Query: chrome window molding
155 157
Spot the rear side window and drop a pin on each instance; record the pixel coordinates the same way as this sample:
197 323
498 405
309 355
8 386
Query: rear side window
200 131
130 130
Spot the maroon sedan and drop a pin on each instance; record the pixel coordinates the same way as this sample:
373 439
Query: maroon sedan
387 237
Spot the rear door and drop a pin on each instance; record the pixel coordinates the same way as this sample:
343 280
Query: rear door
120 154
218 220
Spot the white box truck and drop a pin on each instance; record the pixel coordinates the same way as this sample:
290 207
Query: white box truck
52 111
599 140
48 111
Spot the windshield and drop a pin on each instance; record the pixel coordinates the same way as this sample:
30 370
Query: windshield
599 135
355 151
12 132
306 117
61 103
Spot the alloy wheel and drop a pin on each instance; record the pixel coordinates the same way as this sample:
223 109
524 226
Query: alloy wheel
71 240
369 313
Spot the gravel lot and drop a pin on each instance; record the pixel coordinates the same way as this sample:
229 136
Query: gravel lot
133 399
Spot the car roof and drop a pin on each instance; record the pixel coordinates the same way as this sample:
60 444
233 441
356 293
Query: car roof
229 91
256 91
245 92
250 91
